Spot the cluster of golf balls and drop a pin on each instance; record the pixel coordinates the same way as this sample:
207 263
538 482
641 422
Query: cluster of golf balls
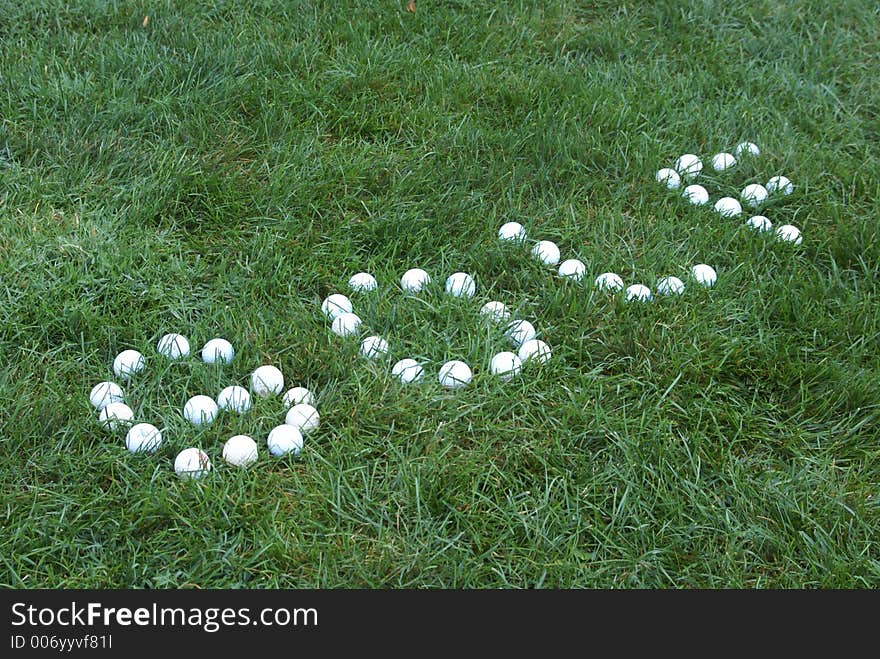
688 167
454 373
114 414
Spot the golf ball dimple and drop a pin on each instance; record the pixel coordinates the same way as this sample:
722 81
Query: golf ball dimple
173 346
704 274
534 349
506 365
461 284
454 374
240 450
513 231
754 195
104 393
335 305
495 311
547 252
217 351
200 410
192 463
303 417
572 269
414 280
670 286
346 324
696 194
609 281
789 233
780 184
728 207
759 223
747 148
362 282
128 363
669 177
638 293
115 415
234 399
407 370
267 380
688 165
722 161
284 439
143 438
374 347
520 331
298 395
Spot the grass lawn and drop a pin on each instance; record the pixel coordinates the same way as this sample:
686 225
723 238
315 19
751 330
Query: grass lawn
222 167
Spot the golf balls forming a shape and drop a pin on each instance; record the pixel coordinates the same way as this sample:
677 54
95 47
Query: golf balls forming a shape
335 305
754 195
688 165
303 417
534 349
547 252
670 286
696 194
192 463
298 395
200 410
284 439
407 370
506 365
128 363
374 347
495 311
173 346
104 393
704 274
414 280
234 399
346 324
143 437
638 293
572 269
669 177
455 374
513 231
115 415
759 223
609 281
728 207
240 450
267 380
362 282
722 161
217 351
461 284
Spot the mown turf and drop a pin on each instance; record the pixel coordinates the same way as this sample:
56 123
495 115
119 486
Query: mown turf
219 169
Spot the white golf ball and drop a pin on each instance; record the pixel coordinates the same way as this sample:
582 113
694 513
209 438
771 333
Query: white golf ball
669 177
534 349
303 417
284 439
217 350
638 292
173 346
362 282
759 223
192 463
688 165
200 410
513 231
115 415
670 286
780 184
128 363
234 399
240 450
547 252
104 393
335 305
455 374
747 148
506 365
696 194
728 207
267 380
414 280
520 331
789 233
298 395
495 311
143 437
461 284
722 161
407 370
374 347
609 281
754 195
572 269
346 324
704 274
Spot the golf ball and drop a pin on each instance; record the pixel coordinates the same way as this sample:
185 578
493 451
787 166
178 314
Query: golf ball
240 450
688 165
781 184
104 393
609 281
572 269
267 380
335 305
789 233
704 274
407 370
670 286
414 280
638 292
754 195
173 346
461 284
298 395
303 417
143 437
668 177
747 148
759 223
192 463
534 349
520 331
234 399
217 350
128 363
513 231
115 415
495 311
506 365
346 324
455 374
200 410
374 347
728 207
546 251
722 161
362 282
696 194
284 439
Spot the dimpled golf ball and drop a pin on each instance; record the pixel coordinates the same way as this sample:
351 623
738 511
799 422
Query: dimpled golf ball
461 284
234 399
670 286
284 439
520 331
669 177
335 305
754 195
747 149
572 269
303 417
362 282
534 349
298 395
638 293
200 410
704 274
609 281
789 233
267 380
407 370
722 161
115 415
506 365
128 363
346 324
454 374
240 450
547 252
173 346
688 165
495 311
759 223
217 351
414 280
513 231
143 438
780 184
696 194
728 207
374 347
104 393
192 463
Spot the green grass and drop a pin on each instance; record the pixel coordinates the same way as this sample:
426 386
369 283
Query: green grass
222 169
